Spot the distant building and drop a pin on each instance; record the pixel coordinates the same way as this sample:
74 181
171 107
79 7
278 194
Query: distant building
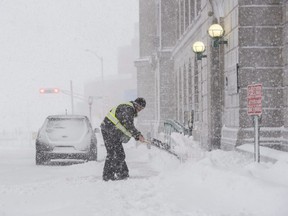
127 55
214 89
155 72
118 88
110 92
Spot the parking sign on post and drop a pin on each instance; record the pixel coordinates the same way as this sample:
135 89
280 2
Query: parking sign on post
254 103
254 99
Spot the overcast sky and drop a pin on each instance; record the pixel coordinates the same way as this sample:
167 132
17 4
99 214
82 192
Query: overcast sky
44 43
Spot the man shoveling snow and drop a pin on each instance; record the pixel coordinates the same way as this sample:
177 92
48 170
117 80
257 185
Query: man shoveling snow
117 128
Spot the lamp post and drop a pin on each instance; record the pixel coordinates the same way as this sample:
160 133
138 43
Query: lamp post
101 60
216 32
72 97
90 102
198 47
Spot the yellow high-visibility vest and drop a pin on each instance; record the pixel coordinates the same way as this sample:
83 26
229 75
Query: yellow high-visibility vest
111 116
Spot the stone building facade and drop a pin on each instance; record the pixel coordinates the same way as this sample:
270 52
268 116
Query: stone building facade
157 27
214 89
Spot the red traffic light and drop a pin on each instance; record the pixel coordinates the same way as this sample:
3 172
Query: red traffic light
49 90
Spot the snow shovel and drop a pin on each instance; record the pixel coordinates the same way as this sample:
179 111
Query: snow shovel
163 146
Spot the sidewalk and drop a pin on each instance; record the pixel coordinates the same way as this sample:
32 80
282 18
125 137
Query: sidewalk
266 154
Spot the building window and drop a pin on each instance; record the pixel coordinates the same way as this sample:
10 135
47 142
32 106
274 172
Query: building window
180 84
195 9
185 96
198 7
177 94
158 20
182 13
192 10
196 90
186 14
178 23
190 85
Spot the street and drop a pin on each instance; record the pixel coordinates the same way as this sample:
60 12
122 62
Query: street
67 187
208 184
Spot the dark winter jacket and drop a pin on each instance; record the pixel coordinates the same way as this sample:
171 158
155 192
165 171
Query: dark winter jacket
125 114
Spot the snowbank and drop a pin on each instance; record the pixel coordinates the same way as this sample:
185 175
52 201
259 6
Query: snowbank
216 183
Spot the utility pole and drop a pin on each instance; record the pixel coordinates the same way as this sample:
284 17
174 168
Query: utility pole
102 69
72 100
90 102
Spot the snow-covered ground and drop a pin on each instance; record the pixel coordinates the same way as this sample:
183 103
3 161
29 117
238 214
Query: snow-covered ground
216 183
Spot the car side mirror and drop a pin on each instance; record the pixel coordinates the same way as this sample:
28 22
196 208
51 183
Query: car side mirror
96 130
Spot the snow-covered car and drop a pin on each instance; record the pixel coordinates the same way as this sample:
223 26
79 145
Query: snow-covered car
66 137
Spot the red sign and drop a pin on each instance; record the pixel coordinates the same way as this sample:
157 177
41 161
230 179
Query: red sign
254 99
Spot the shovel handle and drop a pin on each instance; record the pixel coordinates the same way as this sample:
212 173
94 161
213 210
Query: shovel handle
146 141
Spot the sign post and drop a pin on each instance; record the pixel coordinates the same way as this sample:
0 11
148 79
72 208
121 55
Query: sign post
90 102
254 102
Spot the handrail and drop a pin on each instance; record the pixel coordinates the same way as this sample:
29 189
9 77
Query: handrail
175 127
172 126
167 143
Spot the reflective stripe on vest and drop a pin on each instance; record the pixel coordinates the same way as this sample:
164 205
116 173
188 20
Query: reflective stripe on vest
112 117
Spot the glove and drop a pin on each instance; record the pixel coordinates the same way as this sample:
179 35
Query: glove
141 138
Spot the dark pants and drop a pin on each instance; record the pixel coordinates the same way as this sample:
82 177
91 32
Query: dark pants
115 167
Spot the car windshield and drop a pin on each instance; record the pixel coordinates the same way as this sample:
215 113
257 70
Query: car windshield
69 129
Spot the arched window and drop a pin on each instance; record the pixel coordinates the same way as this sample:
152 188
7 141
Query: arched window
196 91
185 87
180 104
182 14
187 22
190 86
192 10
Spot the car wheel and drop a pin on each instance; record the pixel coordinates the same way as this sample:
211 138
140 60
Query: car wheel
41 158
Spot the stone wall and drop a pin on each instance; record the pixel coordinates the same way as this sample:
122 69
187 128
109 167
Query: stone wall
260 61
230 125
145 64
164 73
146 89
147 27
285 74
215 88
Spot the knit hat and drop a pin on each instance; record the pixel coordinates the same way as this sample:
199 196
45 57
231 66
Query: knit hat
140 102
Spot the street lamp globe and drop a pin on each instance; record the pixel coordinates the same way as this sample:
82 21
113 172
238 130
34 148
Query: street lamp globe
216 31
198 47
